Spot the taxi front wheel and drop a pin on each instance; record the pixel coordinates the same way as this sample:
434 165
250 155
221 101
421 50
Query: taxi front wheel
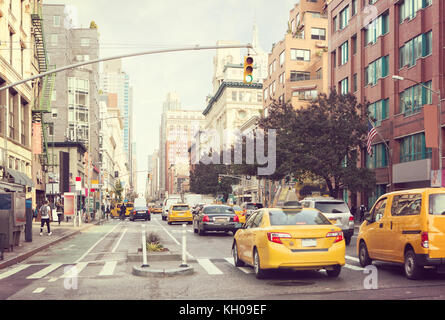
363 255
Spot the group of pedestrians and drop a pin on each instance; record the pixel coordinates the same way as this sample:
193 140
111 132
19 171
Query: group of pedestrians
359 214
45 210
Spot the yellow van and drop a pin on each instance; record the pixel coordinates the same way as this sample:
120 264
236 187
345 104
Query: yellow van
405 227
180 213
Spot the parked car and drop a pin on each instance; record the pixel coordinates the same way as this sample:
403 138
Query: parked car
250 207
140 212
180 213
302 239
216 218
406 227
337 211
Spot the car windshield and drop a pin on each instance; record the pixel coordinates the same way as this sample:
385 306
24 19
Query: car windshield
437 204
218 210
332 207
181 208
254 206
140 208
297 217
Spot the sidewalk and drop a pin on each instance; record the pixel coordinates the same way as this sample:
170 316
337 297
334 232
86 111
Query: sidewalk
39 243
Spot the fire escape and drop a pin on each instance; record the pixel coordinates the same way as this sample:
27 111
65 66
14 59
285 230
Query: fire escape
42 105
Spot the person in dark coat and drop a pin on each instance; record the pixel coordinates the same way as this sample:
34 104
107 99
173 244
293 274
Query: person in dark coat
123 211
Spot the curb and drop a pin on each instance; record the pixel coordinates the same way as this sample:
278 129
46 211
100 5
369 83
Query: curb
28 254
147 272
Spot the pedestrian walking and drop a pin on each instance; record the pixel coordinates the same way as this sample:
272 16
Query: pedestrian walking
362 212
354 212
107 211
35 213
59 208
45 211
122 211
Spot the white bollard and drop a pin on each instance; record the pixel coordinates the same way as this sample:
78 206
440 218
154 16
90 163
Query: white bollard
184 247
144 248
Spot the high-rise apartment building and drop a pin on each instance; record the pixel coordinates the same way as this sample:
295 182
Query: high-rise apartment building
298 64
370 43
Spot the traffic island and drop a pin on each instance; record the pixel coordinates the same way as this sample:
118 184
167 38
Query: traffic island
162 270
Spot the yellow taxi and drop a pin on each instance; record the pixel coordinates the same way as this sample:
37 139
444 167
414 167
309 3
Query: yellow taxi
156 209
180 213
240 213
116 210
406 227
300 239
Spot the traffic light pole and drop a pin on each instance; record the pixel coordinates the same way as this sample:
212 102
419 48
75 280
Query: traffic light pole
80 64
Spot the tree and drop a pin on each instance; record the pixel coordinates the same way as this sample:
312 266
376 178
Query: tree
93 25
118 190
328 134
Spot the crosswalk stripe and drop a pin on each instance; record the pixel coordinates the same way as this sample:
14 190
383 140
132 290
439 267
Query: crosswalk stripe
352 258
108 268
39 290
13 271
74 270
243 269
44 272
349 266
209 266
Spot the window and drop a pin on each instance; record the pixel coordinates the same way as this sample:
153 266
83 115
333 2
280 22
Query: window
379 157
379 110
299 76
334 58
344 18
334 24
265 94
354 44
344 52
344 86
413 148
85 42
319 74
413 98
378 27
296 217
54 39
353 8
56 21
318 34
305 94
354 83
376 70
406 205
378 210
408 8
416 48
300 55
282 57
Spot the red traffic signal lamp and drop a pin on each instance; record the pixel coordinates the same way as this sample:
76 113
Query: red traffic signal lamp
248 69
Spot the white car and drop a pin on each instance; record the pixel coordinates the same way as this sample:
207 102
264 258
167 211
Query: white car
336 210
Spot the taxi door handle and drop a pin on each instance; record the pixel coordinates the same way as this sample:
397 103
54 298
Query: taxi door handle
381 225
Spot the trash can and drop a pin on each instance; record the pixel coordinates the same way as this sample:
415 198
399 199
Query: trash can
29 217
12 218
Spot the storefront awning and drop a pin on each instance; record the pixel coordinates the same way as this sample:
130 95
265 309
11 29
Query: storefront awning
21 178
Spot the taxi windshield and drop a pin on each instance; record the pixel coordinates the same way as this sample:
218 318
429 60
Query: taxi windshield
290 217
181 208
437 204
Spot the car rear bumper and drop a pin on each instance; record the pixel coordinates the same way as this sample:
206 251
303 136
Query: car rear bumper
425 260
140 216
275 256
180 218
228 226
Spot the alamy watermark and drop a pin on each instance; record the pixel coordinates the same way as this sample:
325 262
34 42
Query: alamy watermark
371 281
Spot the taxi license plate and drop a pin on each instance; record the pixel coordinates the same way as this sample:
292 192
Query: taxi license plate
308 242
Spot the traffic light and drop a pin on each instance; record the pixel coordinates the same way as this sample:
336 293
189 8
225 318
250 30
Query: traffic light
149 176
219 179
248 69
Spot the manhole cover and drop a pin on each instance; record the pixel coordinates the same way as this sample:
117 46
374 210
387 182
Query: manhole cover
291 283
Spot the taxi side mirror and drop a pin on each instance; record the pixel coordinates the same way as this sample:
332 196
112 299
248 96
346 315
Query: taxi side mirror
368 217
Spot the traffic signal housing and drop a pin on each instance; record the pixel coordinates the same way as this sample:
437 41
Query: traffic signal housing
219 179
248 69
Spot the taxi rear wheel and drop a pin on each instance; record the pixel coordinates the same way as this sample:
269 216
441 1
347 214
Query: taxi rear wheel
363 255
412 269
259 273
334 272
236 259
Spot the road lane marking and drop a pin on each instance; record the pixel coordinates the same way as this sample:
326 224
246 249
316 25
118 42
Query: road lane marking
74 270
352 258
39 290
44 272
173 238
350 266
119 241
13 271
243 269
108 268
209 266
94 245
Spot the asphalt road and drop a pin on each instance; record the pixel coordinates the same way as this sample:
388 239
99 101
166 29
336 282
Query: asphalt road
101 272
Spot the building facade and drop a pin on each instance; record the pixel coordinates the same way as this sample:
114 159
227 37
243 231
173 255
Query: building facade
370 43
298 64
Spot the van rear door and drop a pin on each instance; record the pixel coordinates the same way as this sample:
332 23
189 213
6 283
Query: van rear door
436 225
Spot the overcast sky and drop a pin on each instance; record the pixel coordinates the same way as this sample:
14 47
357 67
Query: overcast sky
140 25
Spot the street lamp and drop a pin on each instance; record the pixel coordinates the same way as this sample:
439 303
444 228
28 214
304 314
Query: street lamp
400 78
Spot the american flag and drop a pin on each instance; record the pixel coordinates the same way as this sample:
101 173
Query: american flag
371 134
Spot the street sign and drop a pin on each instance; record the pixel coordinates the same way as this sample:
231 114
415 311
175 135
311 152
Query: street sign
78 184
95 184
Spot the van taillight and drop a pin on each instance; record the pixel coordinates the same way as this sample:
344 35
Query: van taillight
424 238
205 219
277 236
338 236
